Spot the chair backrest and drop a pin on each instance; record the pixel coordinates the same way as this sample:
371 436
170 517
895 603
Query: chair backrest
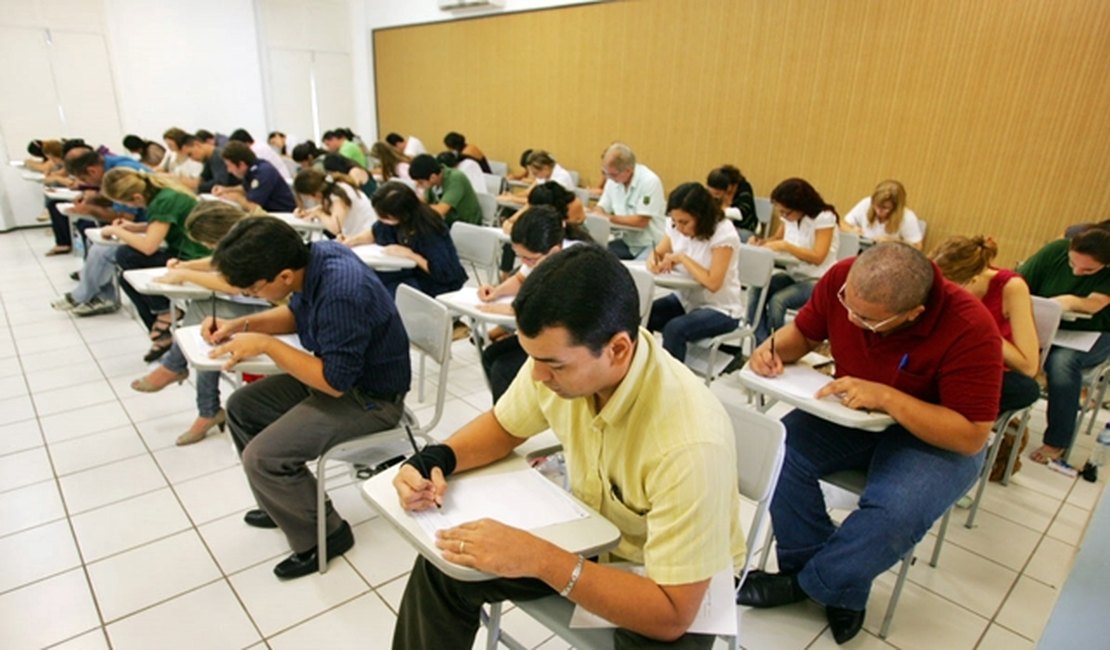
488 204
756 264
763 214
428 325
760 447
848 246
479 246
599 228
574 178
645 287
921 224
494 183
498 168
1046 318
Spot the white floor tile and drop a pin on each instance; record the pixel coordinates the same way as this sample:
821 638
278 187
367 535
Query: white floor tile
392 592
30 506
31 345
160 433
863 641
24 468
1027 608
215 495
16 409
210 618
999 638
238 546
47 612
996 538
1085 495
19 436
1052 562
128 342
56 358
963 577
93 419
174 399
351 625
151 573
109 483
42 551
923 619
93 640
380 553
1022 505
122 365
792 626
349 502
73 397
10 365
1069 525
73 375
13 386
184 463
96 449
276 605
127 524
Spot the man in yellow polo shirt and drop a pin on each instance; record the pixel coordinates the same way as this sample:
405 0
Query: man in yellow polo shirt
647 445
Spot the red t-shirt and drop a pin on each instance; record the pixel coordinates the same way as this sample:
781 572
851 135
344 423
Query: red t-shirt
951 355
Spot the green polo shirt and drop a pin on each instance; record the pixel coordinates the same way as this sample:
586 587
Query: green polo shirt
457 192
1049 274
173 208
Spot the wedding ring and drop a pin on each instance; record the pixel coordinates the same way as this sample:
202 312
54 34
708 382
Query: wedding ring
462 545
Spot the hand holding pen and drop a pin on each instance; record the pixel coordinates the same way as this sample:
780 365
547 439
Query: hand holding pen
765 360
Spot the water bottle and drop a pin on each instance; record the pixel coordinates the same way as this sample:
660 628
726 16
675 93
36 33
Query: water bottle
1102 448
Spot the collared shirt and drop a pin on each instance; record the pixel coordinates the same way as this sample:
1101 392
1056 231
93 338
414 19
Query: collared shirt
346 317
457 192
950 355
644 197
1049 274
173 208
663 470
215 173
265 186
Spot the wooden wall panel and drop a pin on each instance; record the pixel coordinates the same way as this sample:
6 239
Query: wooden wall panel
994 114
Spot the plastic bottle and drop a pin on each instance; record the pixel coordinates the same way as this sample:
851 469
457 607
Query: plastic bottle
1102 448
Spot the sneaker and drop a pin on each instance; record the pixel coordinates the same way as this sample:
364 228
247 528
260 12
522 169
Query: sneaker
65 303
95 307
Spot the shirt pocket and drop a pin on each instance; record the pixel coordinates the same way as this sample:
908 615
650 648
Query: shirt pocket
631 522
919 386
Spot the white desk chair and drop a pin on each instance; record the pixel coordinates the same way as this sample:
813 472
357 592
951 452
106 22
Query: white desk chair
583 195
600 229
763 213
645 288
488 204
756 265
760 445
494 184
574 177
428 325
498 168
848 246
1095 381
478 246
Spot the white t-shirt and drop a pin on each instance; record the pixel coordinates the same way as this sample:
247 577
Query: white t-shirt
727 298
803 233
910 232
414 147
559 175
361 215
474 174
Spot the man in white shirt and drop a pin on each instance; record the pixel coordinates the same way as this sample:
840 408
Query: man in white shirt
632 197
410 146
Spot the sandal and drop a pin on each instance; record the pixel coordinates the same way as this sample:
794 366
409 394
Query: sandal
161 346
1043 456
161 327
58 250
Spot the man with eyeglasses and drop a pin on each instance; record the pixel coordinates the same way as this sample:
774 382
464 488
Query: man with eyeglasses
911 344
632 197
1074 273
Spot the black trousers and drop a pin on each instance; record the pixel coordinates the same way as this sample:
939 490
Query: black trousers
501 360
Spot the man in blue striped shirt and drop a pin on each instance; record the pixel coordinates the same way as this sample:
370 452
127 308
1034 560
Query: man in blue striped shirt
349 380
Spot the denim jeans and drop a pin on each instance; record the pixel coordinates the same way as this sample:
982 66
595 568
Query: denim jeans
96 275
626 252
909 485
783 293
679 327
1064 370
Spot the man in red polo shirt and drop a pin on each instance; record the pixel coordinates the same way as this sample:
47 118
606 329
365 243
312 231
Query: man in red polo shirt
921 349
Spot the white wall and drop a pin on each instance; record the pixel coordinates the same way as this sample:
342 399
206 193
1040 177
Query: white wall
187 63
394 13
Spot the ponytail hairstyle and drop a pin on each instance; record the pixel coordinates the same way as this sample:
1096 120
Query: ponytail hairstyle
211 220
122 184
797 194
960 258
559 199
306 150
311 181
889 191
696 201
414 218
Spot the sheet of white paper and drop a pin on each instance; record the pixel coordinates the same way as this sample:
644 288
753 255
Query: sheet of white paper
800 380
717 614
522 499
469 296
204 347
1075 340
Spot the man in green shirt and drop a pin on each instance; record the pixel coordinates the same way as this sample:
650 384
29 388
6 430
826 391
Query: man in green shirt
1074 273
448 191
342 142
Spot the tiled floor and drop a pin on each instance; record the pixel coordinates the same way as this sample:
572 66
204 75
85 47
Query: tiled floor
112 537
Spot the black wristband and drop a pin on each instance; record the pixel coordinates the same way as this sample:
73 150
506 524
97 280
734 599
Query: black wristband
432 456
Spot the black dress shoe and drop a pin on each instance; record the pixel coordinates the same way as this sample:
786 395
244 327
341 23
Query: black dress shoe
76 275
762 589
845 624
259 519
302 564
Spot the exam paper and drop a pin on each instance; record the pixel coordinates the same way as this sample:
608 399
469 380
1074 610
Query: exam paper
801 381
717 614
1075 340
522 499
468 296
204 347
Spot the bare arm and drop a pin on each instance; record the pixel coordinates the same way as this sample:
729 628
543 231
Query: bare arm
713 277
1092 304
1023 354
146 242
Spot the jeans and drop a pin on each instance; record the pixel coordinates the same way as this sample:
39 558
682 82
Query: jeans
441 613
909 485
96 275
783 293
146 306
1064 370
625 252
680 327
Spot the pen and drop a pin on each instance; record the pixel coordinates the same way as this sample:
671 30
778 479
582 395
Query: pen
212 329
904 362
423 469
772 345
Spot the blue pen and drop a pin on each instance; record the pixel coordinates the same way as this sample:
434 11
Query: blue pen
904 362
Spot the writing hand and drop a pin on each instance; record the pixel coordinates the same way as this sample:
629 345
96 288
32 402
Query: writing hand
224 330
171 277
418 493
398 250
486 293
245 345
493 547
764 363
856 393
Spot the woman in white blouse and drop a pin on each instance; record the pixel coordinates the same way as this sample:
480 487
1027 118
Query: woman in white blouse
703 245
883 216
335 200
807 232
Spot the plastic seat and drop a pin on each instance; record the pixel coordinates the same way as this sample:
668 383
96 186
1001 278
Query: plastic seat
478 246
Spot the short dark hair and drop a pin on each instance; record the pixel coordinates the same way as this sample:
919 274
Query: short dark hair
394 139
448 159
696 201
305 151
524 157
454 141
724 176
1094 242
584 289
334 162
204 135
133 143
238 152
423 166
189 139
259 248
328 135
241 135
174 134
79 165
538 229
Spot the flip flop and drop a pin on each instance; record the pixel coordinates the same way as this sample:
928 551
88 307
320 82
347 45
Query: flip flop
1044 457
58 250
